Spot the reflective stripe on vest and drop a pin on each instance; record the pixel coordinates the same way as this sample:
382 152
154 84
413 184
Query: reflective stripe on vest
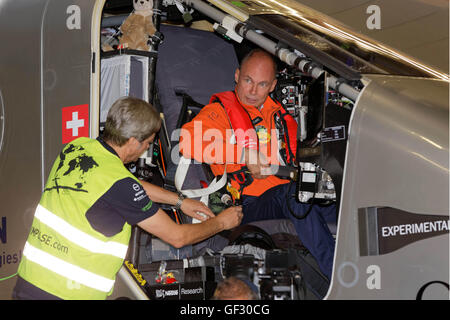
79 237
67 270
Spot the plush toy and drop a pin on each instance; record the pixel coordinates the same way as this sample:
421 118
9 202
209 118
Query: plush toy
138 27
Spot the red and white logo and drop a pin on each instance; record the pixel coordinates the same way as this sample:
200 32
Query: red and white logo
75 122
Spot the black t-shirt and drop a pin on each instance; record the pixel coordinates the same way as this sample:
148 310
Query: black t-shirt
125 202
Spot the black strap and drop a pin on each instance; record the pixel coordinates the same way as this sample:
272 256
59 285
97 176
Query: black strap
286 134
247 178
280 123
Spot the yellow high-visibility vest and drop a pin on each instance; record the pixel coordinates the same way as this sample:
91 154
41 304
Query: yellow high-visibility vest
63 254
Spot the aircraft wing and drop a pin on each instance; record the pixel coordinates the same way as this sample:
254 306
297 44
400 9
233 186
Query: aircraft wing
411 37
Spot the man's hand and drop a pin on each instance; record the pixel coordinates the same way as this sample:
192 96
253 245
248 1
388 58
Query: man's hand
196 209
231 217
257 164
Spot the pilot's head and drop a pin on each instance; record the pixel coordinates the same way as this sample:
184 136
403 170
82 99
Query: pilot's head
255 78
132 123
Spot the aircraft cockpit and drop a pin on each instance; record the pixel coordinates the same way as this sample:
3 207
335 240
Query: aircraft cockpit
366 84
194 56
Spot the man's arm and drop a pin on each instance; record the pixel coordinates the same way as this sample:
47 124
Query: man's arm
207 137
195 143
190 207
257 164
179 235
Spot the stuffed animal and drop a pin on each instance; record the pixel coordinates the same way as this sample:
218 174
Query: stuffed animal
138 27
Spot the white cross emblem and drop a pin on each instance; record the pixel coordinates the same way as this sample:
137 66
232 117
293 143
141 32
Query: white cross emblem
74 124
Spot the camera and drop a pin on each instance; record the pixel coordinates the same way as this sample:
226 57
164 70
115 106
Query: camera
277 277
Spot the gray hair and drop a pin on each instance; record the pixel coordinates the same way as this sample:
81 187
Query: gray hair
131 117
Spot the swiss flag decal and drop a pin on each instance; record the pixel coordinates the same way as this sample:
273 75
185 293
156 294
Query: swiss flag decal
75 122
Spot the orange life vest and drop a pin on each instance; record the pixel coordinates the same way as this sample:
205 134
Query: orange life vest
246 136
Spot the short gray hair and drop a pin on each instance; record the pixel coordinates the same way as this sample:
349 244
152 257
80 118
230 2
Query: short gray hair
130 117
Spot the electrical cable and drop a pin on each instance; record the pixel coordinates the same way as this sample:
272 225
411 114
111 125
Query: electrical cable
162 158
303 216
8 277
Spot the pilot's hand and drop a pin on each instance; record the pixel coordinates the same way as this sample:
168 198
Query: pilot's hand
196 209
231 217
257 164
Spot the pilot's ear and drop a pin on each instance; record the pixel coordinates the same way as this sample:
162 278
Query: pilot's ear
236 75
274 83
133 143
